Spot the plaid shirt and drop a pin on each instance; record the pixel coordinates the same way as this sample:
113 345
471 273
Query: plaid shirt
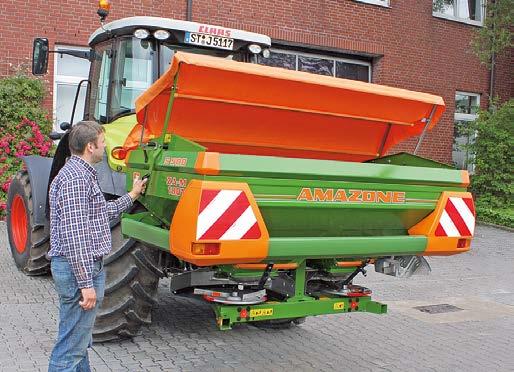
79 218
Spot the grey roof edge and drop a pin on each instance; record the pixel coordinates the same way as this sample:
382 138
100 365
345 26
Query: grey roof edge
174 24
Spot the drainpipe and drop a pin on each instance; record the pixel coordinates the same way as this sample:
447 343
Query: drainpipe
189 10
491 75
491 83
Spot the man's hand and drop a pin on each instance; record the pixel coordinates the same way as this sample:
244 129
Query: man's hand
88 298
138 187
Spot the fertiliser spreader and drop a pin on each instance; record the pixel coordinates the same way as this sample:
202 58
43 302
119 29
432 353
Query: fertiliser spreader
269 190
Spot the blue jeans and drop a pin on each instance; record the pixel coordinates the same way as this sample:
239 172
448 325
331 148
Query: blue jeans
75 324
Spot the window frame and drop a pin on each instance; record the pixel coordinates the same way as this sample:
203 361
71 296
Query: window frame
463 20
458 116
382 3
324 56
66 79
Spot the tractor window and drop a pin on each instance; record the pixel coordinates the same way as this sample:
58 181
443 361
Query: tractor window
168 50
100 72
133 74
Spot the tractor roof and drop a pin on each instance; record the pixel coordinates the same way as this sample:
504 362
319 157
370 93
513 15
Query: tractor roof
127 26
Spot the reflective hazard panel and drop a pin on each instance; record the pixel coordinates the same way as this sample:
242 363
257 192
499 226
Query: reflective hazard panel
457 219
226 215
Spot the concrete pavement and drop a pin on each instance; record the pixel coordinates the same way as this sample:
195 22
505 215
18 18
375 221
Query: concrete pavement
183 335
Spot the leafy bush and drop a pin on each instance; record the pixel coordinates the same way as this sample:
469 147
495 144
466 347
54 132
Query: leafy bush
24 127
497 216
493 150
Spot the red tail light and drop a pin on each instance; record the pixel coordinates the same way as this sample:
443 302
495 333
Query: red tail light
119 153
461 243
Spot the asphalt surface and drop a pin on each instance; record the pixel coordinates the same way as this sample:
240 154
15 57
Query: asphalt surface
478 336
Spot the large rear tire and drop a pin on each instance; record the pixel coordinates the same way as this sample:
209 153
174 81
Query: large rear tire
29 243
132 277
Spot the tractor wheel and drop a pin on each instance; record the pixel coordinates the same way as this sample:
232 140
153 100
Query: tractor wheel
132 277
29 243
279 323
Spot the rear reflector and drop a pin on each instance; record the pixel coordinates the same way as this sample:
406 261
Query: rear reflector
461 243
205 249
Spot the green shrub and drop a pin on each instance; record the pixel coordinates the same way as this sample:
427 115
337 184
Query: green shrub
497 216
493 150
24 127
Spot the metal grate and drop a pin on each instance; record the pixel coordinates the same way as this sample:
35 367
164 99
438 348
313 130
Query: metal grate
438 309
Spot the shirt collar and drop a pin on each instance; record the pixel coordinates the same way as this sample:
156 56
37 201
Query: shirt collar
84 164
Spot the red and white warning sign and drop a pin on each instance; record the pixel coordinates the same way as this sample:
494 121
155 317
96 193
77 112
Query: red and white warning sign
457 219
226 215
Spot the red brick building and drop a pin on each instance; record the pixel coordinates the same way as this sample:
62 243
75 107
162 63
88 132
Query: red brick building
408 44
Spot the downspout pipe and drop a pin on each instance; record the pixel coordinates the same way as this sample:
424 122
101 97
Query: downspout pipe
189 10
491 83
493 63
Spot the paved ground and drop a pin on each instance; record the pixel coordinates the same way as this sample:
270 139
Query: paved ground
183 335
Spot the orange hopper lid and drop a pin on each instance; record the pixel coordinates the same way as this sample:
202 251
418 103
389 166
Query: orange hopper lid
235 107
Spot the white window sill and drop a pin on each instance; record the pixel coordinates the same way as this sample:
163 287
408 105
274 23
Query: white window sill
384 4
460 20
465 117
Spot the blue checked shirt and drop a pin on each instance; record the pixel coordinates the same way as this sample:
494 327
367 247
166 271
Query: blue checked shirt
79 218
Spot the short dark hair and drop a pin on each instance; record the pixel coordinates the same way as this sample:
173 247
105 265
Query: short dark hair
81 134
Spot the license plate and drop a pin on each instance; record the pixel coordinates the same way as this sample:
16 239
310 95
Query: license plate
338 305
209 40
260 312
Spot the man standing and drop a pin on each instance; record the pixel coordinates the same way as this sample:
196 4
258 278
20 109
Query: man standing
80 237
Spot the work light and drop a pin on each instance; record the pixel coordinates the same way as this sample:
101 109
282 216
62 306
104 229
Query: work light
141 33
161 34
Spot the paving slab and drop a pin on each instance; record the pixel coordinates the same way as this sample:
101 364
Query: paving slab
184 337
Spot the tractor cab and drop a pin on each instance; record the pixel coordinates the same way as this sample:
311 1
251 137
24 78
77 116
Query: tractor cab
129 54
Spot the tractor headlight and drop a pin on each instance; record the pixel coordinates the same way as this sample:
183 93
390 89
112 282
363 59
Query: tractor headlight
266 53
141 33
161 34
254 48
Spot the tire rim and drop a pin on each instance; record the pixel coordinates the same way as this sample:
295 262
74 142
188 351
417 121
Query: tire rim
19 223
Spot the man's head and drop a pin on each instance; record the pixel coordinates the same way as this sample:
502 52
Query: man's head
87 140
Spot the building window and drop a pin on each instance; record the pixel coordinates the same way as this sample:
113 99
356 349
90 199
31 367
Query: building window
68 72
375 2
466 109
319 64
468 11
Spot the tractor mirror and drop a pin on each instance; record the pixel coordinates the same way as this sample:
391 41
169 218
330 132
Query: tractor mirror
40 56
65 126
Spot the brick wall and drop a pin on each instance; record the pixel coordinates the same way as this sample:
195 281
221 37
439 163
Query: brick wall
419 51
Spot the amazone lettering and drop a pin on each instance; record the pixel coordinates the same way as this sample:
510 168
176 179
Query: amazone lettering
353 196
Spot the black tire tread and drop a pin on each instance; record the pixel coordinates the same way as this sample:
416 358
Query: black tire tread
123 281
119 252
146 264
38 236
138 289
130 290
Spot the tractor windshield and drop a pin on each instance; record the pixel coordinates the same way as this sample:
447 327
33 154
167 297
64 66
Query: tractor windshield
125 67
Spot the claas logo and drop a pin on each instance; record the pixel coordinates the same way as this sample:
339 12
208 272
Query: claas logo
351 196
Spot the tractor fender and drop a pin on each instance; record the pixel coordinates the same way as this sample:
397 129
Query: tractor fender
38 168
110 181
